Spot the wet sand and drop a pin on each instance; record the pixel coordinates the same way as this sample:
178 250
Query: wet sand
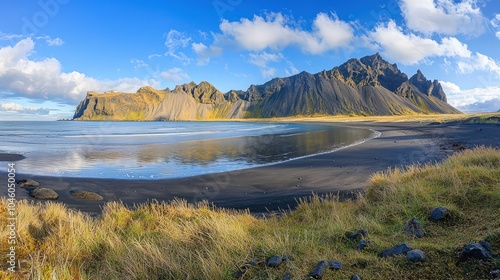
275 187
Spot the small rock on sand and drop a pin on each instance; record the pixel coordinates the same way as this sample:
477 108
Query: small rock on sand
86 195
28 183
44 193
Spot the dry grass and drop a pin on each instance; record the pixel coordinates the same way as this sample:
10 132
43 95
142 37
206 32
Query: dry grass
182 241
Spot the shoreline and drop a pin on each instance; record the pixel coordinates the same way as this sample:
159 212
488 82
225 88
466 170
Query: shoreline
273 187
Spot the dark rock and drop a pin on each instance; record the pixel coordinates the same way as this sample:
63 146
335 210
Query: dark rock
476 251
439 213
28 183
399 249
414 228
495 274
44 193
335 265
362 244
319 270
249 264
274 261
355 277
415 256
286 276
86 195
359 234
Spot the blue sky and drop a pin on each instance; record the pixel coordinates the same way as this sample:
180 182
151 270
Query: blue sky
53 51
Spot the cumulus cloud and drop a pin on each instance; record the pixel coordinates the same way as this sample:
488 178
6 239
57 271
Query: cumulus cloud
174 75
17 108
411 48
263 58
479 62
443 16
276 32
472 100
174 41
44 79
205 53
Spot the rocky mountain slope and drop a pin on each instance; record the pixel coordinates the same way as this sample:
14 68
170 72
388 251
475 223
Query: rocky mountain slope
368 86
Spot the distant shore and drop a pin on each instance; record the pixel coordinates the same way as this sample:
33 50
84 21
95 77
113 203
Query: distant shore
279 186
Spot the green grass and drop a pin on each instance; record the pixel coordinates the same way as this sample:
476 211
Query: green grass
181 241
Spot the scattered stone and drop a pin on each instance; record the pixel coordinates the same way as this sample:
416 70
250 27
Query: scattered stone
355 277
274 261
439 213
286 276
362 244
335 265
359 234
399 249
414 228
249 264
476 251
28 183
86 195
415 256
495 274
44 193
319 270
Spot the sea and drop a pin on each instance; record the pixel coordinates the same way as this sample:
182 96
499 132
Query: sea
161 150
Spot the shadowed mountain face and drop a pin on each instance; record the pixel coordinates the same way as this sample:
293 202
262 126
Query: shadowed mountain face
368 86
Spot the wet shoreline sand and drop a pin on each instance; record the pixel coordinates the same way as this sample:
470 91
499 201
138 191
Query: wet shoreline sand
270 188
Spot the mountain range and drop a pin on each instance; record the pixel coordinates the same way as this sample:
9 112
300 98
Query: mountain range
366 86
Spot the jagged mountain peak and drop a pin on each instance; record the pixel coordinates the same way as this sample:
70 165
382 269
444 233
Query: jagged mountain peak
365 86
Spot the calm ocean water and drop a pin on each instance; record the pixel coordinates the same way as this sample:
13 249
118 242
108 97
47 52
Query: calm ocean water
156 150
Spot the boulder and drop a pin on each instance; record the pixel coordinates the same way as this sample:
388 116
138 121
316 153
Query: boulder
476 251
86 195
319 270
414 228
355 277
415 256
335 265
439 213
28 183
44 193
359 234
274 261
399 249
362 244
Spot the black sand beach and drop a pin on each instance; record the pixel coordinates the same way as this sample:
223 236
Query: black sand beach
275 187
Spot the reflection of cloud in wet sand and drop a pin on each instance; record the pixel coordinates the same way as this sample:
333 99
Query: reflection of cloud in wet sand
237 152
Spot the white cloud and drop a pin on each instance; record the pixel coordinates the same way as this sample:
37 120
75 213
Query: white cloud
492 105
443 16
263 58
277 32
471 100
498 35
174 75
268 72
479 62
17 108
495 22
450 87
44 79
205 53
174 41
55 42
411 48
138 63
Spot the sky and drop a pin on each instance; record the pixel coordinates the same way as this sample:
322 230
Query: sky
53 51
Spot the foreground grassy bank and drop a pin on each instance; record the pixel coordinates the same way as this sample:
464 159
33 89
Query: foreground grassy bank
181 241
